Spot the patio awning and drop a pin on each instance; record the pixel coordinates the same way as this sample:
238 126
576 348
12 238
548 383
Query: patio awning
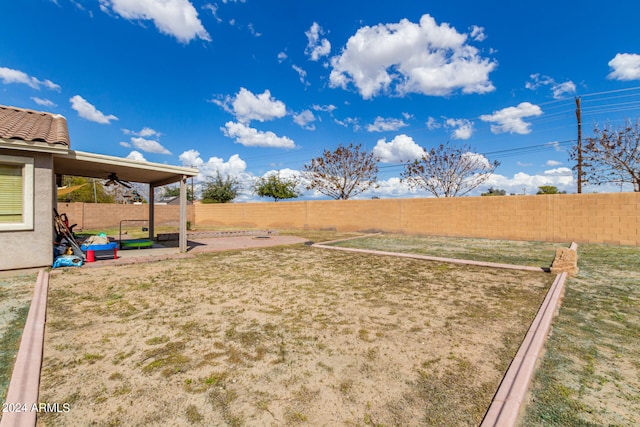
90 165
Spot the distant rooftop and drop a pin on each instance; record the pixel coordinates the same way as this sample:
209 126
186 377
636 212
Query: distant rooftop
29 125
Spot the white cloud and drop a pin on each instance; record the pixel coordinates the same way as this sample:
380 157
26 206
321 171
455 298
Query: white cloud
558 89
304 118
349 121
558 171
149 146
328 108
477 33
382 125
282 56
553 163
392 188
136 155
43 102
477 160
214 10
510 119
89 112
523 183
250 137
302 74
177 18
253 30
406 57
234 167
146 131
262 107
191 158
556 145
626 66
400 149
462 128
139 140
433 124
9 75
316 46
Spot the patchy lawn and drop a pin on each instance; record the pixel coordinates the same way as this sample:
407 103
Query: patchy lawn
283 336
534 254
590 374
16 291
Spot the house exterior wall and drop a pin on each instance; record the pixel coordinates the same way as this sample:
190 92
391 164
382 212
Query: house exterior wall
32 248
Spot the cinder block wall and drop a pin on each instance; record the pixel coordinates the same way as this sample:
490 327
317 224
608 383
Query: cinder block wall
598 218
103 215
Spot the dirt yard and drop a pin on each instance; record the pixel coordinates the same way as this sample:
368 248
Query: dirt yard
282 336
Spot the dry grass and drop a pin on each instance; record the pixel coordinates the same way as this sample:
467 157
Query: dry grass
16 290
590 374
283 336
534 254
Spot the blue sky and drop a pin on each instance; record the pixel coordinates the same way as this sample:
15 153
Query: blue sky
255 86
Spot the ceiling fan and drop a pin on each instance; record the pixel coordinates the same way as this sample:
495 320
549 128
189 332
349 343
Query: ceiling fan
113 179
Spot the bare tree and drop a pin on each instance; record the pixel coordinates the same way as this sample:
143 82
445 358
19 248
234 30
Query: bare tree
448 171
342 173
612 155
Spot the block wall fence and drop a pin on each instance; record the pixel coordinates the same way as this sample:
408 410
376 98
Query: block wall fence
92 216
584 218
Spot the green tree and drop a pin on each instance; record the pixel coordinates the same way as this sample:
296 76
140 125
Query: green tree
171 191
276 187
494 192
88 190
219 190
549 189
448 171
342 173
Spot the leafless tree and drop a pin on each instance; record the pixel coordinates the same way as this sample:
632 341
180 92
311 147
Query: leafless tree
612 155
448 171
342 173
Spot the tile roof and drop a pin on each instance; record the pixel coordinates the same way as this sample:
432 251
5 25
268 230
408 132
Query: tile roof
29 125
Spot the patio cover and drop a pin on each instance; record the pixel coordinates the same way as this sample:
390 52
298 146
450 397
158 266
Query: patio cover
90 165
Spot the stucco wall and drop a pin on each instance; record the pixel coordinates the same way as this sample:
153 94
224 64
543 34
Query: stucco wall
32 248
603 218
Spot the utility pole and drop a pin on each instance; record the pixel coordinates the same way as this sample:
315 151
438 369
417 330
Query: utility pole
579 144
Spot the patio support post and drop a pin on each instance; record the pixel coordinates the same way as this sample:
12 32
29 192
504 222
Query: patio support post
152 211
183 214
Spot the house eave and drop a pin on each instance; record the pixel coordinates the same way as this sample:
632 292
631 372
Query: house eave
34 146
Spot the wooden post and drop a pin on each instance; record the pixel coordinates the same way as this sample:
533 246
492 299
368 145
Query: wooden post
579 144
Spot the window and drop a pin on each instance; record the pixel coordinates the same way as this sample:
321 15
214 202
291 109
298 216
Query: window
16 193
